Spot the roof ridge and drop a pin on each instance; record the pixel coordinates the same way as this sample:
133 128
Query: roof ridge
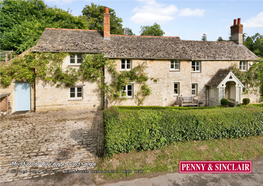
73 29
145 36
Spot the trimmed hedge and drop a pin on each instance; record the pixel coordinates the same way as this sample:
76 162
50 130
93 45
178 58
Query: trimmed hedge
159 108
151 129
246 101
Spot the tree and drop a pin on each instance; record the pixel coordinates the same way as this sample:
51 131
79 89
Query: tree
95 15
220 38
23 21
204 37
128 31
154 30
254 43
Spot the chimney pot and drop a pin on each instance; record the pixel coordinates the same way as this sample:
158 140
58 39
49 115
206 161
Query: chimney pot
106 24
238 21
124 31
106 10
235 22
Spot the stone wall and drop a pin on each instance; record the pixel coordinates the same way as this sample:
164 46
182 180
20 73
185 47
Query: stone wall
162 93
49 97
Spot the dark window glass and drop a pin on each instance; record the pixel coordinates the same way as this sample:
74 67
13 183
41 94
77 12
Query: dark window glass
79 92
128 64
123 64
79 58
72 58
72 92
129 92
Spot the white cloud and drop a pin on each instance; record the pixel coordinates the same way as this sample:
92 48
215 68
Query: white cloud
255 22
151 11
188 12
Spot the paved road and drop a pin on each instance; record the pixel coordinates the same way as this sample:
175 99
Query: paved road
175 179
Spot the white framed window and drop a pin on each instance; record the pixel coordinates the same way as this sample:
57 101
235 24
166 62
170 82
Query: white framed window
75 58
125 64
194 89
127 91
196 66
243 65
174 65
176 88
75 92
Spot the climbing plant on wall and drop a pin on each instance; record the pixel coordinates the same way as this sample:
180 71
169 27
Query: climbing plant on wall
253 76
48 67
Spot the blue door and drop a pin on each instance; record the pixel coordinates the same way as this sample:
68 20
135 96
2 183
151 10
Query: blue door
22 96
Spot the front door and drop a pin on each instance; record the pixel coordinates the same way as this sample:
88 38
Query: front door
22 96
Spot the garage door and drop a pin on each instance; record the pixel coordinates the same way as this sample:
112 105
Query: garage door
22 96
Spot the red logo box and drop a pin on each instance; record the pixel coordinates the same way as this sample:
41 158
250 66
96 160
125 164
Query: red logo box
215 167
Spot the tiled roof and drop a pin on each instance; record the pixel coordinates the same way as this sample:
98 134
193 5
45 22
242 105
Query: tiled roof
218 77
144 47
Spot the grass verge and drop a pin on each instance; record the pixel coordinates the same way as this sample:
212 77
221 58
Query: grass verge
166 159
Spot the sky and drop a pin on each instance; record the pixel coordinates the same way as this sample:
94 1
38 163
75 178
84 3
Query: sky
188 19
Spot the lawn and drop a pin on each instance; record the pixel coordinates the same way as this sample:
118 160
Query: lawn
166 159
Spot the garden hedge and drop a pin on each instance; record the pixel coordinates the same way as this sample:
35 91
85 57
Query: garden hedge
148 129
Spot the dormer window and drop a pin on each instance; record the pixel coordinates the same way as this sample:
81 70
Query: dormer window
75 58
125 64
175 65
243 65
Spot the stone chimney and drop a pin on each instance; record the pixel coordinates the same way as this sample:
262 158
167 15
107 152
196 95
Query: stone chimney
106 29
123 30
237 32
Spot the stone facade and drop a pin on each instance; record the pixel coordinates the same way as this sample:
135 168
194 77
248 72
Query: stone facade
50 97
162 91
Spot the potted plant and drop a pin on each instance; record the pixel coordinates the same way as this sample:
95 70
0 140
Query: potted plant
176 103
201 102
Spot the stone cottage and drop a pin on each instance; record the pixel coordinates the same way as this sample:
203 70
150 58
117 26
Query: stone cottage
182 67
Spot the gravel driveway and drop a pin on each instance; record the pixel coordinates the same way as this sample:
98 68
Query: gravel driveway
41 144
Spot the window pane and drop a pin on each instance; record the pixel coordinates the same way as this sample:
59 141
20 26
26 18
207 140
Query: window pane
129 93
193 86
72 92
128 64
176 66
72 95
122 64
193 92
79 94
124 88
197 68
129 87
79 58
72 58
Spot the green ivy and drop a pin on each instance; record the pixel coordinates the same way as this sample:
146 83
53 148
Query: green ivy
48 67
253 76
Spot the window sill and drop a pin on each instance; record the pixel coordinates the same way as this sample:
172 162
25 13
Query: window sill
127 97
75 99
196 71
125 69
171 70
175 95
74 64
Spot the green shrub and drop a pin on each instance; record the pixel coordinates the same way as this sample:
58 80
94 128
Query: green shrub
224 101
160 108
147 129
246 101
